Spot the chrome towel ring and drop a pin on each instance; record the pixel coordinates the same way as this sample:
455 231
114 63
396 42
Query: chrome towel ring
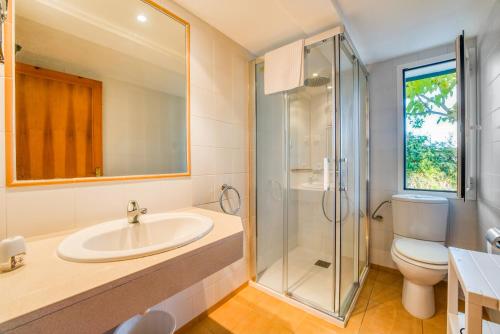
225 188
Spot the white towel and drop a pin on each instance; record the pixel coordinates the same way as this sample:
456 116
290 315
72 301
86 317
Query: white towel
284 68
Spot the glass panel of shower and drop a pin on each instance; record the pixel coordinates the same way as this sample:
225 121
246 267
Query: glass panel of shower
310 272
311 177
270 177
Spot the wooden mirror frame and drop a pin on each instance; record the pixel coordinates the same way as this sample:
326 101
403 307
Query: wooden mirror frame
10 112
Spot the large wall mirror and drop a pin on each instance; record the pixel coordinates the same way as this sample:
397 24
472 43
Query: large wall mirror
100 92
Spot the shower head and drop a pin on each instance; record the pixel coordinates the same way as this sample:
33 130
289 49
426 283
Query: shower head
316 81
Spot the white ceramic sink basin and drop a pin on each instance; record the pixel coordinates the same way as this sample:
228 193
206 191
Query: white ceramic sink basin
118 240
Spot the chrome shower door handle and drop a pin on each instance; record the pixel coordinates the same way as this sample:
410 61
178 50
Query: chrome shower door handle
326 174
344 174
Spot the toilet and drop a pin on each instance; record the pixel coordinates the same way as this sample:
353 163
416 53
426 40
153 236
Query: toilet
419 224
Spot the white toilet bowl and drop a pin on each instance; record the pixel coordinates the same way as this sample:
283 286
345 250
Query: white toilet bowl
423 264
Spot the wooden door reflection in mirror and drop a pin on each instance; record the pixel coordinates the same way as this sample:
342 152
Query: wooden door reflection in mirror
58 125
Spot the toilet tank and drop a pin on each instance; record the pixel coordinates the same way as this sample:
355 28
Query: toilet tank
420 216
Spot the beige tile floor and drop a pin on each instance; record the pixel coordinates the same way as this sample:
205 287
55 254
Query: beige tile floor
378 311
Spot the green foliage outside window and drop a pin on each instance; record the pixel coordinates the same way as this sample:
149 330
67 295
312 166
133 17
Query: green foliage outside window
430 164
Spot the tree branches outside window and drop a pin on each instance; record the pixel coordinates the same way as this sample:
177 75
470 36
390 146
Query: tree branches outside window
430 164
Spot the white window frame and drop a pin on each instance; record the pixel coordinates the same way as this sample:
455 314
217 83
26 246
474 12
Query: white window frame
470 124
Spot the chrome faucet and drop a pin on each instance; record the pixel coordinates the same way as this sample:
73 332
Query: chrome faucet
134 212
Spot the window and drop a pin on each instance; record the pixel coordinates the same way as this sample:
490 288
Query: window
430 127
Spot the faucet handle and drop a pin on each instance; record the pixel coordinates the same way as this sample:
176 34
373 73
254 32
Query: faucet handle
143 211
133 205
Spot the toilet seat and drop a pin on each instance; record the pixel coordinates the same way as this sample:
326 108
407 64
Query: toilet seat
425 254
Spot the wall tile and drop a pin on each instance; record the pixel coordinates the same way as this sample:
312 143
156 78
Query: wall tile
224 160
224 134
223 105
203 131
202 102
238 136
32 212
202 56
240 81
95 204
239 160
203 160
203 189
489 152
159 196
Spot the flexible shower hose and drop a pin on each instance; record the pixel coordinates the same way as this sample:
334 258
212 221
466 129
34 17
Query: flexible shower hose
343 217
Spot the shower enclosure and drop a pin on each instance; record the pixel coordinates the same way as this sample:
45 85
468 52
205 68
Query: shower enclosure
310 180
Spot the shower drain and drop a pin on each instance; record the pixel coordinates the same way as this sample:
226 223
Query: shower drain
322 264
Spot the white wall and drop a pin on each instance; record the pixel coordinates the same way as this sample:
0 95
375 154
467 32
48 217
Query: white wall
462 222
219 98
489 101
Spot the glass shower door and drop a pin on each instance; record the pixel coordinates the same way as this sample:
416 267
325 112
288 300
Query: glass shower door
310 236
270 162
347 214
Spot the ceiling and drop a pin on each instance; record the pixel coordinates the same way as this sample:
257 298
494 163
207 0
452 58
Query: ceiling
385 29
380 29
261 25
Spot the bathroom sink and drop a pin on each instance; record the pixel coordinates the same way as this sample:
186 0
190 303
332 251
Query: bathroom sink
119 240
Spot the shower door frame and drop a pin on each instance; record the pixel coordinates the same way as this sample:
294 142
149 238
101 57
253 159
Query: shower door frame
339 36
343 43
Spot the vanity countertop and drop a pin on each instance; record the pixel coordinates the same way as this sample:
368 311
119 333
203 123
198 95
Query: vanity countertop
47 283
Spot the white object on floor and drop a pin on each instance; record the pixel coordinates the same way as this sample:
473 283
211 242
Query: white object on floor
418 250
478 276
284 68
152 322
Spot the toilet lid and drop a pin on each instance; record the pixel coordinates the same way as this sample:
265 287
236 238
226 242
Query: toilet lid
422 251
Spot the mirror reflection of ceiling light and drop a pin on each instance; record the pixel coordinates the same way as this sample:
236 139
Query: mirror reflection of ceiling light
315 75
329 87
142 18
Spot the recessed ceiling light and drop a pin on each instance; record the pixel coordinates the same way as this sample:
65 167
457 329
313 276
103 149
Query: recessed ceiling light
141 18
315 75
